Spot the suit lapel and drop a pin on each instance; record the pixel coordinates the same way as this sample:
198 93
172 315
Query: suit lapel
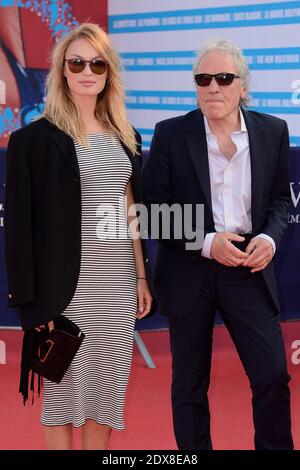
258 150
66 146
196 138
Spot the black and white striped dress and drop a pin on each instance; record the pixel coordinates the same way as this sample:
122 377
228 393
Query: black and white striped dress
105 300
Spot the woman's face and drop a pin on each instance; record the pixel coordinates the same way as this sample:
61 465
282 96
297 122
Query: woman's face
84 83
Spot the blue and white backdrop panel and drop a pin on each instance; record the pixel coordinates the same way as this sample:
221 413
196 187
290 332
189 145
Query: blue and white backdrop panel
158 42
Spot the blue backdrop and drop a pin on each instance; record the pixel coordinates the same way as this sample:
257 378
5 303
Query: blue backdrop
287 258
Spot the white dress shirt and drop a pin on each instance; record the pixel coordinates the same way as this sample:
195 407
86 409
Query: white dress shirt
230 182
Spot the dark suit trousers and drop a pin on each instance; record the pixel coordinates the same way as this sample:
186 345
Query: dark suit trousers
253 323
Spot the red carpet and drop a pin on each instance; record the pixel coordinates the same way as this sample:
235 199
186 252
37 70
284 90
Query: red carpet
148 410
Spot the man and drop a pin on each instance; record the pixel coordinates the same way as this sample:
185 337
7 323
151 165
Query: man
235 163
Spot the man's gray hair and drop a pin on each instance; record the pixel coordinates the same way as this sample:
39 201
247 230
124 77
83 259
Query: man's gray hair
227 47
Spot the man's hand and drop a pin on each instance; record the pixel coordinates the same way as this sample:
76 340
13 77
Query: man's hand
226 253
260 253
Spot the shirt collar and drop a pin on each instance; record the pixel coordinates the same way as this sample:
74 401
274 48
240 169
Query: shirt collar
243 124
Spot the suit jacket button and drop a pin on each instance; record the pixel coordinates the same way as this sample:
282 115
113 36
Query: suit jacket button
147 260
9 296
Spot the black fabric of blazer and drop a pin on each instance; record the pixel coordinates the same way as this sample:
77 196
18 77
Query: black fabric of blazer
177 171
43 220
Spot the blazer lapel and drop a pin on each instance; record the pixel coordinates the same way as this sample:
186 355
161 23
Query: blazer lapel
258 149
66 145
136 174
196 138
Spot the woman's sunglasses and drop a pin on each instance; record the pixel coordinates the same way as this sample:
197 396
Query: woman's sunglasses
222 79
97 66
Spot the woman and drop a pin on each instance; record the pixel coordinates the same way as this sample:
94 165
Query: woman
65 173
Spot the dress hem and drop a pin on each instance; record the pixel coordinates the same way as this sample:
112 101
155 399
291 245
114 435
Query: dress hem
116 428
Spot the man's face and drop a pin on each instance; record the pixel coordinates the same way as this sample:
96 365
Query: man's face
215 101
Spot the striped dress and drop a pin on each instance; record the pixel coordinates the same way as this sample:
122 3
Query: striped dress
105 301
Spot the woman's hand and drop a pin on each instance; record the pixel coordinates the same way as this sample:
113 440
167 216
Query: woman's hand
42 327
144 298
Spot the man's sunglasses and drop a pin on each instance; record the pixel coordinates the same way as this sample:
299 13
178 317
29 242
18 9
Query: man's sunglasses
222 79
97 66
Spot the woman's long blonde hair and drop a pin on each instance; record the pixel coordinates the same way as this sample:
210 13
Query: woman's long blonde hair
61 108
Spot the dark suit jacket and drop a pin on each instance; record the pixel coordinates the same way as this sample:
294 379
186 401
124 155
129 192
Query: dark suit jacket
177 171
43 220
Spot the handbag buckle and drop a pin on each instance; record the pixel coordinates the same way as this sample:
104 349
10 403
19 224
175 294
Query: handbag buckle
48 352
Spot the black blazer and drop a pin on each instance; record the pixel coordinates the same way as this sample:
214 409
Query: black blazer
43 220
177 171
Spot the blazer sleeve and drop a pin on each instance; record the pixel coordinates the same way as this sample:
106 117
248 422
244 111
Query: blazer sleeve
18 225
277 213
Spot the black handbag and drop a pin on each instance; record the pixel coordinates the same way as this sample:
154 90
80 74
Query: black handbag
48 353
56 352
